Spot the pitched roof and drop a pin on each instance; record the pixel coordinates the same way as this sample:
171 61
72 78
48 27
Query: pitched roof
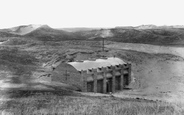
98 63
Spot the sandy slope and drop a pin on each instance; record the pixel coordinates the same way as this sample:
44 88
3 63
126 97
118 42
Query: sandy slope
179 51
158 76
22 30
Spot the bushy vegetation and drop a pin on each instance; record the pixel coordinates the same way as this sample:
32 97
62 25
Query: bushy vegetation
18 63
17 41
14 55
50 104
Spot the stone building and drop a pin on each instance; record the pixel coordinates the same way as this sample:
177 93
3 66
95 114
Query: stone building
96 75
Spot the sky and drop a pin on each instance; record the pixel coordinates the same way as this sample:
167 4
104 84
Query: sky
91 13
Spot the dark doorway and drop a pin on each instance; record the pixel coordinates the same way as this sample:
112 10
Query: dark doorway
90 86
118 83
100 86
109 84
126 80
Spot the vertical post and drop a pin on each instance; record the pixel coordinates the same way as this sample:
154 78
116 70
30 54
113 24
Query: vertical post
84 80
104 80
66 73
113 78
103 44
94 75
122 77
129 73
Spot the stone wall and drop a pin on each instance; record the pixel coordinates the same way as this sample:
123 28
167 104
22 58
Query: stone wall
65 73
107 79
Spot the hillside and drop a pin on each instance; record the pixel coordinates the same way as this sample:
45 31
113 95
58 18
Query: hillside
147 34
46 33
4 34
158 36
157 69
22 30
171 36
77 29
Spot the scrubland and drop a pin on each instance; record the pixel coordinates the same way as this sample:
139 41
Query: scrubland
52 104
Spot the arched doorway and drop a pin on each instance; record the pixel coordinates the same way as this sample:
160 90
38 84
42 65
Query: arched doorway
109 85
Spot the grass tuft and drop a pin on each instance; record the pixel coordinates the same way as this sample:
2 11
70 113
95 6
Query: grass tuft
83 105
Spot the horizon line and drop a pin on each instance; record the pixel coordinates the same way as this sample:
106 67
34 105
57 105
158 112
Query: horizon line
98 27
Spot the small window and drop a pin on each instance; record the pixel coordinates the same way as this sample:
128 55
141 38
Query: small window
99 69
109 67
89 71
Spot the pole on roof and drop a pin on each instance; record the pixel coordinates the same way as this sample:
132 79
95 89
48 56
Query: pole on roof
103 47
66 75
103 44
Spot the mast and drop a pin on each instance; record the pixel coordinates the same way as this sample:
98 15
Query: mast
103 44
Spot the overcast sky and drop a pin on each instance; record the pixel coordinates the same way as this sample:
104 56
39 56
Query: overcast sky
91 13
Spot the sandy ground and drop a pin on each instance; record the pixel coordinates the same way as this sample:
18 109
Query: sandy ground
179 51
158 78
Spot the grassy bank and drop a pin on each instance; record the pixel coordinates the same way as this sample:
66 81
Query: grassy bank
52 104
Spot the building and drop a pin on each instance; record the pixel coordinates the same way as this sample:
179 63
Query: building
96 75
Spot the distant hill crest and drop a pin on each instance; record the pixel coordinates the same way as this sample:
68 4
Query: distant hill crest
25 29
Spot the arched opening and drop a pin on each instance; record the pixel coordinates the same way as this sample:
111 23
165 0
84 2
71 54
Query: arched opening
109 85
118 83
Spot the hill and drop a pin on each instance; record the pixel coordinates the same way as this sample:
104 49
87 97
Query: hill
163 35
22 30
77 29
5 34
147 34
172 36
46 33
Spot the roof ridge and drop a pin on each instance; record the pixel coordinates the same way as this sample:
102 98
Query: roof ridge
87 64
